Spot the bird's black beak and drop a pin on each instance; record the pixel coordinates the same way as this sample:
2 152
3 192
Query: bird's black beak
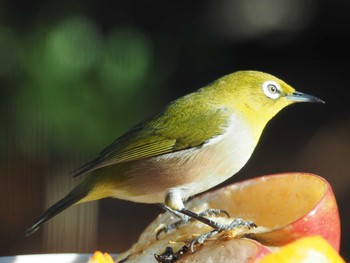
303 97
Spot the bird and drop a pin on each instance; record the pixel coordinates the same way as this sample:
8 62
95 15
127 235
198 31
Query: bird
195 143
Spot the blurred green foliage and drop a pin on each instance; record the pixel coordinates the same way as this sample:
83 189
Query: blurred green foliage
8 50
81 84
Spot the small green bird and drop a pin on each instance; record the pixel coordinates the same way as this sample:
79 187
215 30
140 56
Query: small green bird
197 142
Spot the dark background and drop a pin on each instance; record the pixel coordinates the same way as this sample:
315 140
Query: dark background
76 74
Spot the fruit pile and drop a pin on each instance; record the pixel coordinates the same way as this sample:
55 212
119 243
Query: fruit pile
296 216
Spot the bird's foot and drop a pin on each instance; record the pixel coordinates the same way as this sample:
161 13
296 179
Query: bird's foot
218 228
236 223
175 225
202 238
185 219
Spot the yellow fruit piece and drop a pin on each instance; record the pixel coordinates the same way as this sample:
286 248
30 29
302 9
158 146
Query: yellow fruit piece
100 257
308 249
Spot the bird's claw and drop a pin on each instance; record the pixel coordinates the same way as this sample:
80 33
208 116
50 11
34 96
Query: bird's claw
202 238
170 256
170 227
236 223
185 219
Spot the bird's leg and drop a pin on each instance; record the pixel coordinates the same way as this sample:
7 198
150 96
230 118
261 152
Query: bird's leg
237 222
184 219
218 227
175 212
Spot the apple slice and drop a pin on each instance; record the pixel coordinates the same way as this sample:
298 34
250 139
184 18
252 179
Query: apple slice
285 207
296 205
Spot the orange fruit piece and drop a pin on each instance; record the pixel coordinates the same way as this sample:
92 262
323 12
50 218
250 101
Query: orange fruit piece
308 249
99 257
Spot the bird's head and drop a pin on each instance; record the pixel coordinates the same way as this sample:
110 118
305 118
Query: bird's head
259 96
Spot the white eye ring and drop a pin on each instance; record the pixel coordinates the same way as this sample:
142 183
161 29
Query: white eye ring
271 89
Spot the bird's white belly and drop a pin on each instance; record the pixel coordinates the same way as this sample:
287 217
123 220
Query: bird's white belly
191 171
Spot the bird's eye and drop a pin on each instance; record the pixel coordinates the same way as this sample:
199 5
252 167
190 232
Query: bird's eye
271 89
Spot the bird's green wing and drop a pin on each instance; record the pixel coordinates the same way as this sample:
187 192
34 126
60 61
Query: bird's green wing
170 131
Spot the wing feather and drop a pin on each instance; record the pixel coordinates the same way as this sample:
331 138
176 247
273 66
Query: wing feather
167 132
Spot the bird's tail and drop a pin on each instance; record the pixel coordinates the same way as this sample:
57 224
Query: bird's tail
72 198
